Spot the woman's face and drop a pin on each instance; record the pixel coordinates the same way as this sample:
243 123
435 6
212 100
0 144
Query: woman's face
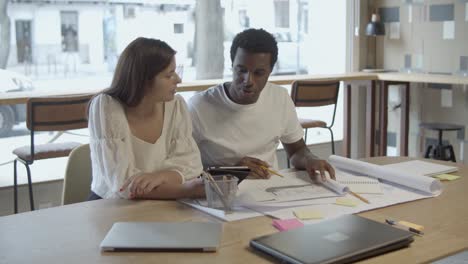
162 87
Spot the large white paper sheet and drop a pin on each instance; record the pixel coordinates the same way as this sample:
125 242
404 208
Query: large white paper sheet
238 213
392 195
419 183
294 186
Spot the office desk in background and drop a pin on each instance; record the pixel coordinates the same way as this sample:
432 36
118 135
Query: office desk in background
72 233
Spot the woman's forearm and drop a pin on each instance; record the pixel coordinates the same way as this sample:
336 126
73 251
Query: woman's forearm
166 191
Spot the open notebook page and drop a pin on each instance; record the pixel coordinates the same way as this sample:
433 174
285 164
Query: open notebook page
359 183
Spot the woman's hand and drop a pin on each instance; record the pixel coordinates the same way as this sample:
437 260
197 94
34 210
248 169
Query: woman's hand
257 167
141 184
195 188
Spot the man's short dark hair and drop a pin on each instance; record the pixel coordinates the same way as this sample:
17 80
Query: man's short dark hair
256 41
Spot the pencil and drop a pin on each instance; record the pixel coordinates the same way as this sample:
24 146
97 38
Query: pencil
216 189
271 171
359 197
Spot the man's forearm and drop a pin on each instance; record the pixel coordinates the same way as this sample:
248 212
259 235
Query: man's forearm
301 156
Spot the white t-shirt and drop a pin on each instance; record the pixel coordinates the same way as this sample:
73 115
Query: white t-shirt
226 131
116 154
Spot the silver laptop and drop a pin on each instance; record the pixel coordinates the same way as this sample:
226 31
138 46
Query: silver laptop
342 240
159 236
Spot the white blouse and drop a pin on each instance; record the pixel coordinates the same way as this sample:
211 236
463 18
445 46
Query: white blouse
117 155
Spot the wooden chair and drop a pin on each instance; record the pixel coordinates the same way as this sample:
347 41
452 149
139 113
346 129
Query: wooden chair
313 94
78 176
58 113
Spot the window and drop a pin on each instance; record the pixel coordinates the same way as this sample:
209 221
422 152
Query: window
69 31
74 46
178 28
88 38
282 13
244 20
129 12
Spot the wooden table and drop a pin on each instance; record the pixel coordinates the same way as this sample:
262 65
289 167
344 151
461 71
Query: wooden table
72 234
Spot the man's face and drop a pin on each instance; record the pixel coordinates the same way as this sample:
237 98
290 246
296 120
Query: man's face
250 74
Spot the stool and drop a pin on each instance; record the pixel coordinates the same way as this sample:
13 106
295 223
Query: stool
441 151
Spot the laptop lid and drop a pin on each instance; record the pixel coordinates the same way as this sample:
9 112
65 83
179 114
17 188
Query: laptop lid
158 236
341 240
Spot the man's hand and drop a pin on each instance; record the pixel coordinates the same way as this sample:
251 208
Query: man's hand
256 166
316 165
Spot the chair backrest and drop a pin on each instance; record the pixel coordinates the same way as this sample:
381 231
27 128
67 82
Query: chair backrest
314 93
78 176
57 113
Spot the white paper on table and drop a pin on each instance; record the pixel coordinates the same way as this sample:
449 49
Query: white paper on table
335 186
449 29
416 182
238 212
294 186
423 168
358 183
391 195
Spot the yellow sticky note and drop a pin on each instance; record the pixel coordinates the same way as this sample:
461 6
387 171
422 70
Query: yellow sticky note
306 214
447 177
346 202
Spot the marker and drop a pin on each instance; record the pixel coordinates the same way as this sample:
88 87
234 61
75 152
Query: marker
395 223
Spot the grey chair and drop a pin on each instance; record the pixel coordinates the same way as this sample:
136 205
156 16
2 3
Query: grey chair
78 175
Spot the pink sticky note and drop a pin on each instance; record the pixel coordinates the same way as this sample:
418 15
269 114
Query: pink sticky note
283 225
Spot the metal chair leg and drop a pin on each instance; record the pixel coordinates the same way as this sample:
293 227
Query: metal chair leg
15 187
332 141
452 153
31 199
305 137
428 152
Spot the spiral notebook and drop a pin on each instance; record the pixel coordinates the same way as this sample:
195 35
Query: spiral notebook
359 184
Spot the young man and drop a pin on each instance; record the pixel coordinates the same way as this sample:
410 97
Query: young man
242 122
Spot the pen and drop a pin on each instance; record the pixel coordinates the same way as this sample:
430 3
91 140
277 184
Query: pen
395 223
359 197
271 171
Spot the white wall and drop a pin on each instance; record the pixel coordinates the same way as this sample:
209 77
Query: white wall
47 26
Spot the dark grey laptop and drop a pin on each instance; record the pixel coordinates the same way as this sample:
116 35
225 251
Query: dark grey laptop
345 239
158 236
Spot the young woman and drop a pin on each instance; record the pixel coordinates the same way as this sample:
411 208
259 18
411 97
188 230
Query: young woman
141 133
